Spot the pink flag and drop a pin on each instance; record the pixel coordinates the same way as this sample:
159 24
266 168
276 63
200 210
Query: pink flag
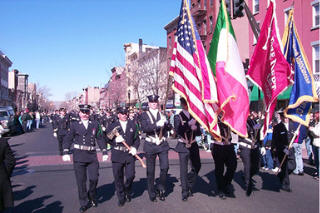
269 69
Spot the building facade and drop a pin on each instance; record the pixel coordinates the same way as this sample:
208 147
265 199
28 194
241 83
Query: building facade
5 63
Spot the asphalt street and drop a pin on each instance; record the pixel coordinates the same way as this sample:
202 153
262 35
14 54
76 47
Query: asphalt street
43 183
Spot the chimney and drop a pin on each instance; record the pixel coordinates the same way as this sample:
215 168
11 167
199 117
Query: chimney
140 46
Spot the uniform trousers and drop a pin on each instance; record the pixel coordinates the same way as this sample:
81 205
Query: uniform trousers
284 172
81 169
251 162
224 155
188 179
119 169
164 167
60 141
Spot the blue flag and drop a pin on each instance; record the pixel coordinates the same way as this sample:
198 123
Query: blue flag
303 91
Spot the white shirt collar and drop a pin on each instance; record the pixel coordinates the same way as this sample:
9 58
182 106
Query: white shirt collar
123 125
154 112
85 123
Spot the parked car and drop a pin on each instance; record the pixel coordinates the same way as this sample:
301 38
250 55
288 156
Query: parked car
6 119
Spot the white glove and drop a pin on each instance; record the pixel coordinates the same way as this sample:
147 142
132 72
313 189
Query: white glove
192 122
55 135
133 151
160 123
286 151
66 158
158 142
105 157
119 139
103 129
263 151
193 127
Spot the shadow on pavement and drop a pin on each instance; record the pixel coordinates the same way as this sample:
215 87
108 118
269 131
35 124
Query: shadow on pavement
309 170
54 207
211 186
139 187
105 192
203 187
22 194
35 204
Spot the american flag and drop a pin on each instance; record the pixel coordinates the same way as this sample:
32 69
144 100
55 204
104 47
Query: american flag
193 78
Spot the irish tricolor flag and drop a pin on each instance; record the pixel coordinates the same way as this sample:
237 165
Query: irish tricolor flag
227 66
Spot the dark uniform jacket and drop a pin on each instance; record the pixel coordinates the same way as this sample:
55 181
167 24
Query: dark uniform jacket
148 126
7 163
253 129
131 137
61 125
182 128
281 136
81 136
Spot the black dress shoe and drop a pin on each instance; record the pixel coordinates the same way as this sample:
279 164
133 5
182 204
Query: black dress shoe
287 189
83 208
94 203
161 195
221 195
128 197
184 198
301 173
153 199
121 203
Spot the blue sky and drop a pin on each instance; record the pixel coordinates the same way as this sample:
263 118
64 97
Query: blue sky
67 45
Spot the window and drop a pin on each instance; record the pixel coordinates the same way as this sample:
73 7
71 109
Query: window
315 57
205 4
255 6
199 3
211 24
211 2
169 39
205 27
315 14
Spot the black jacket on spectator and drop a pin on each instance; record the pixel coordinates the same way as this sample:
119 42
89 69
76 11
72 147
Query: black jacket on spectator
7 164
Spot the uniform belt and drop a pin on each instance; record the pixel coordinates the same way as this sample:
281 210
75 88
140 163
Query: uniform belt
121 148
153 139
83 147
247 145
222 143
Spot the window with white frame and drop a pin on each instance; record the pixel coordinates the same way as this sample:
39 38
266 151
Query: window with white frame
315 13
255 6
315 57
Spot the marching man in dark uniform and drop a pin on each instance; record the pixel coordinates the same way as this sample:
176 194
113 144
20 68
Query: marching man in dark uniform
282 133
118 133
224 155
187 129
61 126
153 123
249 153
84 135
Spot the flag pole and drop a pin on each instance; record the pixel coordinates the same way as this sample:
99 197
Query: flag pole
291 142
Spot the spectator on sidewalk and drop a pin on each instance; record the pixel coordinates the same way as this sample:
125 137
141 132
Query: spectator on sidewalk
37 118
297 145
7 165
267 157
315 131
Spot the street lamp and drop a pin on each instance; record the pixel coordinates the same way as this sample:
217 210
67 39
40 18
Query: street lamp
129 93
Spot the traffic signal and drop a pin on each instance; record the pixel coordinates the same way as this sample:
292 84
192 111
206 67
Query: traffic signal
238 8
228 6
